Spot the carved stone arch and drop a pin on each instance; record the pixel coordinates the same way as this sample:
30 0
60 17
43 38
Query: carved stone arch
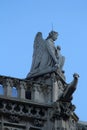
16 84
14 91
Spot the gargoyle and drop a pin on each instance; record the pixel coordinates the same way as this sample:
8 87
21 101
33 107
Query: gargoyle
70 88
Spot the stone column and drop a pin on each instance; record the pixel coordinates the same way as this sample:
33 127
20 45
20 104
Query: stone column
55 91
60 89
8 88
48 94
21 90
54 87
36 93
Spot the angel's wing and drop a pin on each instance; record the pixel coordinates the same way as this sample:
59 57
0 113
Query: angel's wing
38 50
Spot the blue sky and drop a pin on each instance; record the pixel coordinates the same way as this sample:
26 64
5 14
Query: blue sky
20 20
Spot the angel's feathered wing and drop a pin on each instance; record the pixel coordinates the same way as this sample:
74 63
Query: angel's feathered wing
38 51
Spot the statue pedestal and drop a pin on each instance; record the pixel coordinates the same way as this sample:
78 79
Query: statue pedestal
48 87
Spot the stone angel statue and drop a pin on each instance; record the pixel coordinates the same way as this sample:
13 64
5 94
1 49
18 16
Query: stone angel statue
44 57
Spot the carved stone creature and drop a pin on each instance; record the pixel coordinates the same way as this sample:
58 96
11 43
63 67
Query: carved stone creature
70 88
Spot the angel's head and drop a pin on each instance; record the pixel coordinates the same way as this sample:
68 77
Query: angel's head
53 35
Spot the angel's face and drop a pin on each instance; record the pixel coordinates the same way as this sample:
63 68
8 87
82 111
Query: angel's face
54 36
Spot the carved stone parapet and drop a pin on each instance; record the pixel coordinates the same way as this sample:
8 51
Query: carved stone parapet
25 110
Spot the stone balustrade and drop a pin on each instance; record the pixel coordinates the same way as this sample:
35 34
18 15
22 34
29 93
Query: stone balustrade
23 101
24 89
22 109
13 87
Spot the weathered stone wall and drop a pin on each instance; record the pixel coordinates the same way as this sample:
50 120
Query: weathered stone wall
36 104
